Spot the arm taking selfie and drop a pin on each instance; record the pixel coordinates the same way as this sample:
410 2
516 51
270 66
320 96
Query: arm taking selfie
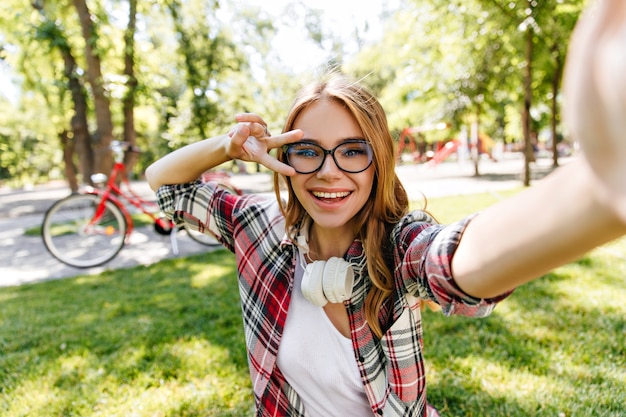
581 205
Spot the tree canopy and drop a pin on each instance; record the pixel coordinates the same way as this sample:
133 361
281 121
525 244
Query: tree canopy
164 73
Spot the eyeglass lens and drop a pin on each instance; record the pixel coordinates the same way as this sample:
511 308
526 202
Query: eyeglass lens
351 156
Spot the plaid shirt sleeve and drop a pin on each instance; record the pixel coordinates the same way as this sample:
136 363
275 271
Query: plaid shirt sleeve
426 269
395 376
204 207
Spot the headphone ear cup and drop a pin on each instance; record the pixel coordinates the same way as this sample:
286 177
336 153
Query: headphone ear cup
312 286
338 280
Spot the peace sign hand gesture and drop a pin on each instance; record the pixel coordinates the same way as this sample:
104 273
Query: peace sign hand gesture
251 141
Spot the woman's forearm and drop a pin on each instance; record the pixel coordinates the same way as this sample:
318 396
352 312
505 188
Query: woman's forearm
188 163
554 222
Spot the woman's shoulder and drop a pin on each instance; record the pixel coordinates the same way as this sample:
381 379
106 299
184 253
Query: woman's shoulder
414 219
410 225
258 210
418 216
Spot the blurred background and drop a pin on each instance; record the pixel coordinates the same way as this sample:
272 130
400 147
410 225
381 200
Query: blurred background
469 79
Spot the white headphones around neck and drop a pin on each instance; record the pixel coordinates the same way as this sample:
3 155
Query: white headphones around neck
328 281
323 282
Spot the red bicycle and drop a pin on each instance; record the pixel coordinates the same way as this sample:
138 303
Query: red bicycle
91 227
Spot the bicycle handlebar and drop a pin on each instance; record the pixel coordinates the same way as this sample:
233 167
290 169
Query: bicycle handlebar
126 146
120 147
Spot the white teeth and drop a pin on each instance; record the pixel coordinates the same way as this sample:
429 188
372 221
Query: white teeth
330 195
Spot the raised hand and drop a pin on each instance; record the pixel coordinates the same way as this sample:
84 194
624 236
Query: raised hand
251 141
595 93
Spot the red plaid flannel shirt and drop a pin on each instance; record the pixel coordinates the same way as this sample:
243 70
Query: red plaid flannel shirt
392 368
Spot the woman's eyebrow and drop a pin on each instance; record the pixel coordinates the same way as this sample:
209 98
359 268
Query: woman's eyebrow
310 140
342 140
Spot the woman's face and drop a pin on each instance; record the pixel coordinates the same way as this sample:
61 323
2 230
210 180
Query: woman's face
331 196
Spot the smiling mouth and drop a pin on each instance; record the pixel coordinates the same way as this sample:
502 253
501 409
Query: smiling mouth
330 196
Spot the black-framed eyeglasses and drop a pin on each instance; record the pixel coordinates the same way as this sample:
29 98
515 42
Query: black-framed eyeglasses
352 156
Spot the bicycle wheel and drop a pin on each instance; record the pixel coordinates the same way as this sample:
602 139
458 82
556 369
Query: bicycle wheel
71 237
201 238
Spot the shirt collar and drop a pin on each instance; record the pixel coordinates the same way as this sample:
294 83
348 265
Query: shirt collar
301 231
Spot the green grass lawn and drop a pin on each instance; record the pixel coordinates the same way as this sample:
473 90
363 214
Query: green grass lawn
167 340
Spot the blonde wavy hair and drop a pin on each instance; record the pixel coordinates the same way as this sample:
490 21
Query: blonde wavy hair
388 200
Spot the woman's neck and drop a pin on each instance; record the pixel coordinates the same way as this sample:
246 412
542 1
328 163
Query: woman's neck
326 243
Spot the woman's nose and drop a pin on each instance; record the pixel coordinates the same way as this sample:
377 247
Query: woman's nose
329 168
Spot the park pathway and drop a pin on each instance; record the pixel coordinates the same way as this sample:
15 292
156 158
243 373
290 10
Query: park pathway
24 259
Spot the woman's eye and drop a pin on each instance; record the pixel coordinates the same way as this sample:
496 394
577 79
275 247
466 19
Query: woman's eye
352 152
306 153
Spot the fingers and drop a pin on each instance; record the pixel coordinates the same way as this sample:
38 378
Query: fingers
276 142
258 127
239 134
248 146
275 165
284 138
254 129
251 141
250 118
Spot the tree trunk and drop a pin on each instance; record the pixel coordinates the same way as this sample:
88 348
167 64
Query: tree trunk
103 160
79 125
556 82
475 145
528 94
131 85
67 145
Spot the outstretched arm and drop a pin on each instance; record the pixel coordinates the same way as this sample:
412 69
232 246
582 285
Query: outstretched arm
248 141
581 205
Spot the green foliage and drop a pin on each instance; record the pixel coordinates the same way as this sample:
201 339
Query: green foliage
28 146
184 63
199 62
461 61
208 57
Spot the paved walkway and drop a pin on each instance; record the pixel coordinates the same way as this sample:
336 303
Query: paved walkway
24 259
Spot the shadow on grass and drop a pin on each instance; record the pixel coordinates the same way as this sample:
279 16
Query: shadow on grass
537 172
543 352
136 327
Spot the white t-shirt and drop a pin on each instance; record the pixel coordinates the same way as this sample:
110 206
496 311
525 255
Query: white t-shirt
318 361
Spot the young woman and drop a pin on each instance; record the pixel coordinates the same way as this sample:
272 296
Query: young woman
331 280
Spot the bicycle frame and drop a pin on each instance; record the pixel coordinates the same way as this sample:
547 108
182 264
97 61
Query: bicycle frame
90 228
115 194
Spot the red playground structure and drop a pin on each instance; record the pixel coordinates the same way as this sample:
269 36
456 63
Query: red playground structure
418 151
437 152
444 152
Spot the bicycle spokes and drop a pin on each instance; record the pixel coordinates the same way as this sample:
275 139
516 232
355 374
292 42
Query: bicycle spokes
83 231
